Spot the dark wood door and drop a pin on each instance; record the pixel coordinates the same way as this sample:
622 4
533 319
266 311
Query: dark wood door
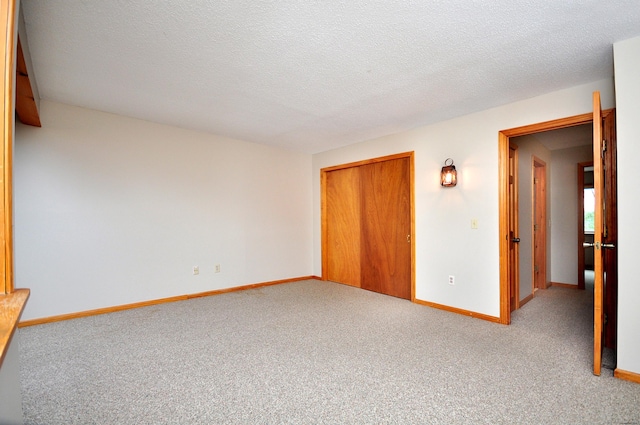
610 234
386 227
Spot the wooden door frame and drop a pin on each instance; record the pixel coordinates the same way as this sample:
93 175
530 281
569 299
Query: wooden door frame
538 163
515 272
8 45
323 209
581 257
503 192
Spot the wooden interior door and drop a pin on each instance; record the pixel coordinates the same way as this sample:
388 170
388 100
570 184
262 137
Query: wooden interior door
514 240
598 284
386 227
343 226
539 224
610 233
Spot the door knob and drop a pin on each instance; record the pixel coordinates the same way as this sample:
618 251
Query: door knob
515 240
598 245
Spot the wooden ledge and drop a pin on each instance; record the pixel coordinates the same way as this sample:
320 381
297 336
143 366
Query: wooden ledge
11 306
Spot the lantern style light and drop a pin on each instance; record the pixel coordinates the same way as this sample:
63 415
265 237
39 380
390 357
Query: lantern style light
448 175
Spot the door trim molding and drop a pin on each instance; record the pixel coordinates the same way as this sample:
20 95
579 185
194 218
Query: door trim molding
503 187
323 209
8 24
515 272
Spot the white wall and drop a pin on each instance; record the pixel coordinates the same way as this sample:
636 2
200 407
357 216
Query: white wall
564 212
627 69
112 210
445 243
10 387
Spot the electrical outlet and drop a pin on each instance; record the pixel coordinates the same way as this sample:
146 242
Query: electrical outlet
474 223
196 270
217 268
452 280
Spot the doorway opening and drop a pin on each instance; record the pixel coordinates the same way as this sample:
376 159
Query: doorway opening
603 154
586 222
506 138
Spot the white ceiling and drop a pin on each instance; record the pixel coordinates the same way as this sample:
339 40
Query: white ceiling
316 75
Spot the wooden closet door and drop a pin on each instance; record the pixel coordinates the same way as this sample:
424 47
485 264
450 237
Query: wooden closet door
386 227
343 225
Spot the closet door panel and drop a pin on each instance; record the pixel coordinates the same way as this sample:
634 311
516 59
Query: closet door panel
386 227
343 226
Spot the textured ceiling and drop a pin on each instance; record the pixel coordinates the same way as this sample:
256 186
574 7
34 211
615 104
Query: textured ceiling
316 75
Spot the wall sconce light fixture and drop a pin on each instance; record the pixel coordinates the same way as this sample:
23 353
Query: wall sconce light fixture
448 175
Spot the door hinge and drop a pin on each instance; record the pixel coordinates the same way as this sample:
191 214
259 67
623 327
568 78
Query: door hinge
535 268
535 227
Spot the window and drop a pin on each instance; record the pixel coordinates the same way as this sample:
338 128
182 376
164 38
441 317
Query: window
589 210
